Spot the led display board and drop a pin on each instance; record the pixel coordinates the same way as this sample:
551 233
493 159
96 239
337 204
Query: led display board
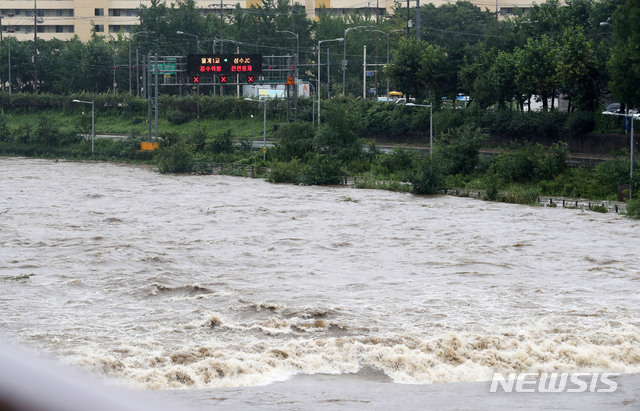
224 64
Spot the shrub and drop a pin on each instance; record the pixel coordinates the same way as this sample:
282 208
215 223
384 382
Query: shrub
426 178
633 209
285 172
175 158
222 143
177 117
458 149
294 140
321 170
520 195
399 160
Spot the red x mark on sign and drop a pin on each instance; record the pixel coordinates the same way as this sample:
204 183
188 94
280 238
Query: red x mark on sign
223 79
196 79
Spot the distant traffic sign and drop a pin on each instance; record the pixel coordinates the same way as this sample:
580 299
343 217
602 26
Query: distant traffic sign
290 81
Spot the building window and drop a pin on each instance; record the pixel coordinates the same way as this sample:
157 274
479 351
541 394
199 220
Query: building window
59 29
114 12
99 12
99 28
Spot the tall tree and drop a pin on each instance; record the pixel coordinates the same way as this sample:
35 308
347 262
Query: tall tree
624 65
415 67
536 69
579 70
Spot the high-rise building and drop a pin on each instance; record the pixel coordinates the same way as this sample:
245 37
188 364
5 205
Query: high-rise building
62 19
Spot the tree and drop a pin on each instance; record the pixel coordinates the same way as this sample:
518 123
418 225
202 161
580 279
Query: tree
624 64
415 67
536 69
579 71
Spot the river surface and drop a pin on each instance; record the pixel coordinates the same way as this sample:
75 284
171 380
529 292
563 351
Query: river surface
204 282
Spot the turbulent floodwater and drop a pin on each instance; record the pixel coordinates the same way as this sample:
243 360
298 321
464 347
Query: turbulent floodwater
215 281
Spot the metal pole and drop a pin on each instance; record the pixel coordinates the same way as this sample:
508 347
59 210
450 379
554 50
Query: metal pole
388 36
35 47
328 76
344 61
9 41
631 163
264 132
93 125
251 145
418 19
137 75
130 63
364 75
148 96
318 88
431 131
156 94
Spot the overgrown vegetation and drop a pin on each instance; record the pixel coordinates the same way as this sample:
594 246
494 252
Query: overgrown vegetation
340 150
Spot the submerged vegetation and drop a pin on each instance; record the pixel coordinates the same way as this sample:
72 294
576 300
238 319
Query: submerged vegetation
465 155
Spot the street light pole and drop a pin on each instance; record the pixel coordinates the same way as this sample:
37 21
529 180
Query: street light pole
264 128
130 37
344 54
430 125
318 88
296 73
182 33
93 122
631 148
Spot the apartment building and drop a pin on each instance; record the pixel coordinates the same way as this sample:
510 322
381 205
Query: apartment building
62 19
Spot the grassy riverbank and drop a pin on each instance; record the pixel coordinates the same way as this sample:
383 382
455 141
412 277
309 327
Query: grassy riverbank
519 171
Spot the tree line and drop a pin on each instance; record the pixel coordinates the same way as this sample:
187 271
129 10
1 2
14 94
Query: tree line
583 50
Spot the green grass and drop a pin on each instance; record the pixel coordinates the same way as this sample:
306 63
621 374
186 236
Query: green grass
110 123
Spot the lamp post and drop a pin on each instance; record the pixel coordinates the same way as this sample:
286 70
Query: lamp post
251 145
114 63
632 116
430 125
344 54
318 90
296 73
130 37
93 122
182 33
264 128
388 36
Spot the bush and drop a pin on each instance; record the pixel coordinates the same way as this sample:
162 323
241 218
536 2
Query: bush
222 143
399 161
322 170
458 149
294 140
520 195
174 158
290 172
633 209
177 117
427 178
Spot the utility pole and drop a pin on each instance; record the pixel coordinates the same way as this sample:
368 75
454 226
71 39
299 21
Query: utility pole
35 46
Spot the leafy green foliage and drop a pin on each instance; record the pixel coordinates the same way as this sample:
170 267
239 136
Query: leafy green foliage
294 140
221 143
290 172
458 149
322 170
426 178
633 209
175 157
